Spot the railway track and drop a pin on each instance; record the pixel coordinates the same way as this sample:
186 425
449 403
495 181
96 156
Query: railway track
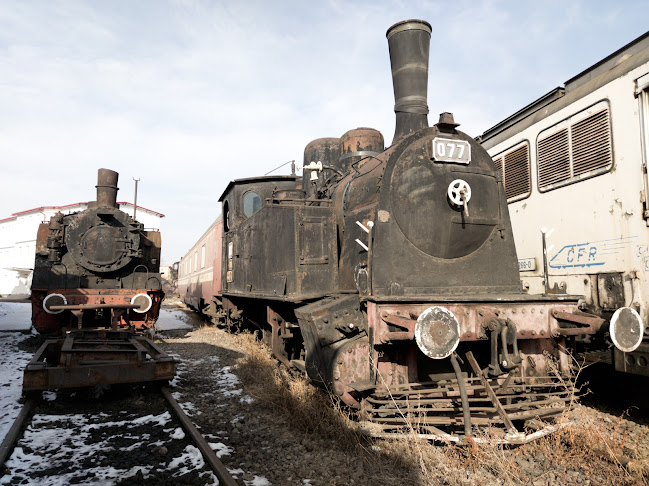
39 416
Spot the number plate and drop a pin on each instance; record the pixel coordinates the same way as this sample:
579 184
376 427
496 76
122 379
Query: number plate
449 150
526 265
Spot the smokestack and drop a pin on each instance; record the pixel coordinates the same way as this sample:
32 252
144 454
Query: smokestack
409 43
107 188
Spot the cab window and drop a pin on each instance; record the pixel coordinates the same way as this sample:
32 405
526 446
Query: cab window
251 203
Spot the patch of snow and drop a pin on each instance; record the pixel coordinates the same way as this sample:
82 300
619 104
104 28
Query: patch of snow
15 316
59 441
12 364
190 457
171 319
178 434
220 449
257 481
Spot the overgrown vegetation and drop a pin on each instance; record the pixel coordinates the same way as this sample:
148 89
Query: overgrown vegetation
585 451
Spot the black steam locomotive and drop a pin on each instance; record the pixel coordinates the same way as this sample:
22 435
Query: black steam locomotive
390 277
96 283
96 267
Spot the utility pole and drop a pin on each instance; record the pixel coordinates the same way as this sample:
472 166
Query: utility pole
135 197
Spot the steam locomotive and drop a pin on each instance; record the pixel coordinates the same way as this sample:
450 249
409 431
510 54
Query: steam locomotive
96 268
390 276
96 284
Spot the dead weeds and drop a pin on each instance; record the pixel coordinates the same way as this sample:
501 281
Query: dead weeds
584 452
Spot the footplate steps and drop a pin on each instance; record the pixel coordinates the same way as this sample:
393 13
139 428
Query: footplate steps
504 410
97 357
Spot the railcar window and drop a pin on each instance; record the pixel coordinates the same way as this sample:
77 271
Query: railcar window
576 148
251 203
514 166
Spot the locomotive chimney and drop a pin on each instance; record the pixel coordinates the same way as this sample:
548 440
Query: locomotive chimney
409 43
107 188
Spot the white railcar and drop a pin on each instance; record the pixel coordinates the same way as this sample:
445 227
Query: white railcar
574 164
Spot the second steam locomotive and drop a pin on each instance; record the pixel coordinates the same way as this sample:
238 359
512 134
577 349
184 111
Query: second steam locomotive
96 284
390 276
96 267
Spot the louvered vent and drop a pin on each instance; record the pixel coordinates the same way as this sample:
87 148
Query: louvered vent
580 150
499 165
517 172
554 159
591 143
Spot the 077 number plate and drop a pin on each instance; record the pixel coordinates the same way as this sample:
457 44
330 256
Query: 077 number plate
449 150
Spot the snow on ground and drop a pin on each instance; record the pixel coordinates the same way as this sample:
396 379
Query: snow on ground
15 316
64 440
171 319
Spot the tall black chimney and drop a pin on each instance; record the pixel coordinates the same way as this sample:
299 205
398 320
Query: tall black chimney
409 43
107 188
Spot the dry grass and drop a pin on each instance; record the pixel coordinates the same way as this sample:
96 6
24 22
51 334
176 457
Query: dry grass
570 456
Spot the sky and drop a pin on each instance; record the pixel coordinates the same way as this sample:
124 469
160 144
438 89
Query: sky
187 95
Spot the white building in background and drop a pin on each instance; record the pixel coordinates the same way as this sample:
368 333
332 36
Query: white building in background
18 242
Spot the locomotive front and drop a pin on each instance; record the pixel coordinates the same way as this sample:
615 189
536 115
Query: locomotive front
96 268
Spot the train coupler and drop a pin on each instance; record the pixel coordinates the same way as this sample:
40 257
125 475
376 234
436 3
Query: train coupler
504 347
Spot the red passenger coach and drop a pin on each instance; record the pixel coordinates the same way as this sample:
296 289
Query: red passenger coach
199 271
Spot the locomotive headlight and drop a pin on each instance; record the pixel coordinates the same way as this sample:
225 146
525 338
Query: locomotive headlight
626 329
143 301
54 299
437 332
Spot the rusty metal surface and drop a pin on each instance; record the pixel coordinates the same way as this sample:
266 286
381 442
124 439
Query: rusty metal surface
90 358
435 407
107 188
93 299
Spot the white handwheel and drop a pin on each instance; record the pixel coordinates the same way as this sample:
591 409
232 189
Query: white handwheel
459 192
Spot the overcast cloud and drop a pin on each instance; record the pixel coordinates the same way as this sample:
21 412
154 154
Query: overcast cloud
187 95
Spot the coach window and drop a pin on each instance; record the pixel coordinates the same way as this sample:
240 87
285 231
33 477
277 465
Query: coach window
576 148
251 203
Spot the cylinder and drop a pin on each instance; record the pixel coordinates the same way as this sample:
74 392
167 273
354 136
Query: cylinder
107 188
357 144
325 150
409 43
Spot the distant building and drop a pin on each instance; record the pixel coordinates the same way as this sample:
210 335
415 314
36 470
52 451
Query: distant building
18 242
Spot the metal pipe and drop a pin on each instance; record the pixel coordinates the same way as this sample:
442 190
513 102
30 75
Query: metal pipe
135 197
466 411
546 279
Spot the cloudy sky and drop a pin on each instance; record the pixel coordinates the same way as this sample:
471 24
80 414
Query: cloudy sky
187 95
